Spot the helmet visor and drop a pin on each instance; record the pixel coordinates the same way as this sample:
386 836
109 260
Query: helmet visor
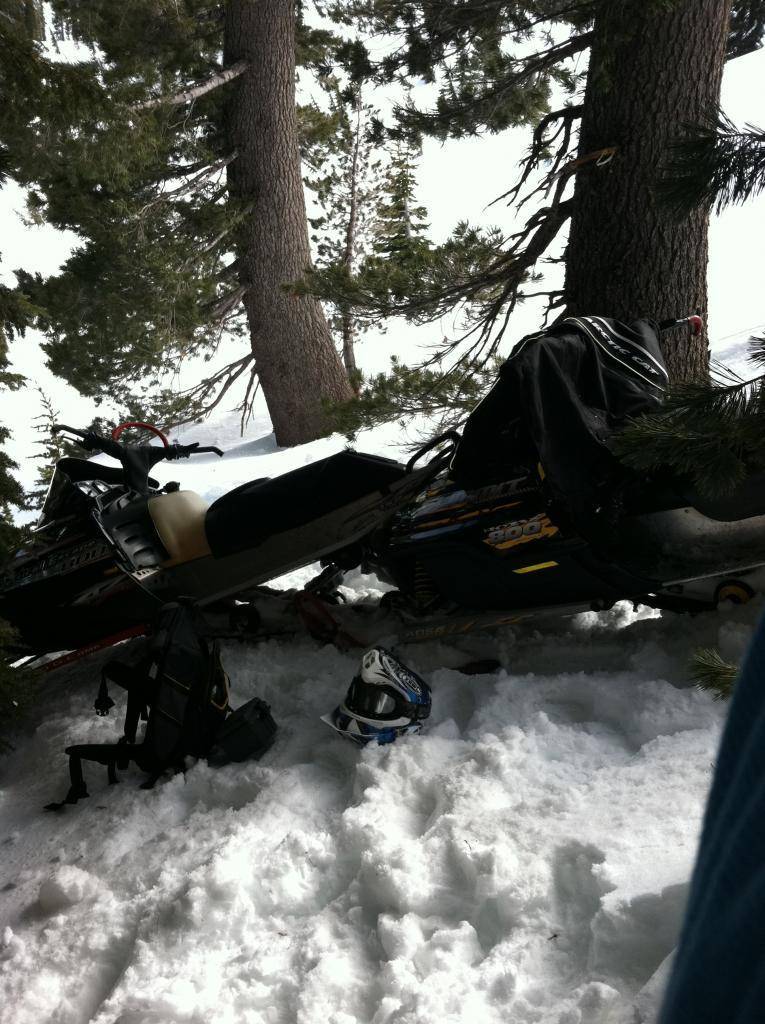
369 700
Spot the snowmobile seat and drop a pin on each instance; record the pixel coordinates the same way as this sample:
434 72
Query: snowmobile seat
250 514
179 519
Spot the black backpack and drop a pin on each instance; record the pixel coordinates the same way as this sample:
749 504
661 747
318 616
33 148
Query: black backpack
179 687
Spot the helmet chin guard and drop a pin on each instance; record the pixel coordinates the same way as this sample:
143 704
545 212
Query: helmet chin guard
384 701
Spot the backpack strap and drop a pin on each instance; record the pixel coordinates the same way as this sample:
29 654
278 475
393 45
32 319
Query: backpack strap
77 788
111 755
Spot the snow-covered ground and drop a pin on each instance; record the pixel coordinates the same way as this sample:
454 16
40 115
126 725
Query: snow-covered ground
525 859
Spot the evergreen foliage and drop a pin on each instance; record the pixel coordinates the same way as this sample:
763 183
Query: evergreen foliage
493 65
475 52
710 431
711 672
408 390
747 27
14 686
52 447
20 25
112 148
400 223
715 165
346 183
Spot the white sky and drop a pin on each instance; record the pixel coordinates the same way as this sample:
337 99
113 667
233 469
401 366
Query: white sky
457 181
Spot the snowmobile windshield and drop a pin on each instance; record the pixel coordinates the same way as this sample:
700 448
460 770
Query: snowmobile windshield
63 498
73 481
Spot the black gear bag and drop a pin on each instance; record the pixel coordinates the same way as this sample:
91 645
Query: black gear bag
179 687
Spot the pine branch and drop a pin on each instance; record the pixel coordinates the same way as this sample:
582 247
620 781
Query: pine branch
249 399
757 350
484 104
715 166
177 99
711 672
539 147
197 395
747 27
228 303
709 432
191 185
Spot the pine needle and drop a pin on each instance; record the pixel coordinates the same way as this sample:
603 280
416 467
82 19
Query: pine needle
715 165
712 673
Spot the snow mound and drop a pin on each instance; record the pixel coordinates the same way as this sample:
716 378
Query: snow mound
67 886
525 859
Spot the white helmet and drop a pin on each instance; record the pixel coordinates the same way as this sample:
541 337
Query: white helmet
384 701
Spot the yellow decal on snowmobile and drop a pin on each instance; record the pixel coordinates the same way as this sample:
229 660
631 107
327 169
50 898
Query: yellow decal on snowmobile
521 531
535 568
430 523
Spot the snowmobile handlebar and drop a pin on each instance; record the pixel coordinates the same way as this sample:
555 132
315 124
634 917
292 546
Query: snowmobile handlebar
695 323
92 442
136 459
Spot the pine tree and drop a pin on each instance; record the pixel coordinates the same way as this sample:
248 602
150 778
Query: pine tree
173 151
346 183
400 231
52 447
20 27
595 157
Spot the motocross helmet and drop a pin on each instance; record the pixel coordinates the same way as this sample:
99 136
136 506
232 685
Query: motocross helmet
384 701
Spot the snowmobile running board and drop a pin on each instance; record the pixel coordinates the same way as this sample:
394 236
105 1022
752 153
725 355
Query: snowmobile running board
82 652
328 629
363 624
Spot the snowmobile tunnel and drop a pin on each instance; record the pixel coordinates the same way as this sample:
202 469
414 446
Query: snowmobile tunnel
250 514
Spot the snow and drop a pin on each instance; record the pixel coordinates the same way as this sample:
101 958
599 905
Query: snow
525 859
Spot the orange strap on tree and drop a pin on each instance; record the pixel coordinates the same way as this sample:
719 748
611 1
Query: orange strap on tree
600 157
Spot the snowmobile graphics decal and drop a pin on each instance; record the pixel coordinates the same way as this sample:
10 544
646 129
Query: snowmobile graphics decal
605 338
67 560
520 531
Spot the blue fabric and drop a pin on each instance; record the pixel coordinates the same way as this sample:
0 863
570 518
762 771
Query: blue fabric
719 973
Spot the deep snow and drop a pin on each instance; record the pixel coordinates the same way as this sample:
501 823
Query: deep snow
526 859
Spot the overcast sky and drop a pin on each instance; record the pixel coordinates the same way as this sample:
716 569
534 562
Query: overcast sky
457 181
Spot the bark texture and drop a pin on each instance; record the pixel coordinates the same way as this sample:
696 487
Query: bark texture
295 357
653 68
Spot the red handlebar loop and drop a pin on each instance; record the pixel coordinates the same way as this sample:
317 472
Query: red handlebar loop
144 426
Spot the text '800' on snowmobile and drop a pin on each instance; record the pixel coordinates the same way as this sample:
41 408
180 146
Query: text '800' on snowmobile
529 513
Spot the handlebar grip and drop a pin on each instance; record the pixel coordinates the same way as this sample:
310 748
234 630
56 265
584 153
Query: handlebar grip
58 427
694 322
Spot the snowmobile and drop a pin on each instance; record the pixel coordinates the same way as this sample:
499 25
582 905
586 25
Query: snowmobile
111 546
528 513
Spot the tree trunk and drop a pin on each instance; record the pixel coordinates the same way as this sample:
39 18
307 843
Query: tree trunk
653 68
295 357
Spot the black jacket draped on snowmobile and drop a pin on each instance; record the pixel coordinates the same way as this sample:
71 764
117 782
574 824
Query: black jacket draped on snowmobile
559 399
